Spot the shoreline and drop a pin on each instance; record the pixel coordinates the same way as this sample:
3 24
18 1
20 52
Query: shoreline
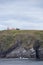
33 59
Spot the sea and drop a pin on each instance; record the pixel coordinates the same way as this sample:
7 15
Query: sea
19 61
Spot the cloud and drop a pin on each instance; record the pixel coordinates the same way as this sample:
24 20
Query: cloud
22 24
2 27
24 14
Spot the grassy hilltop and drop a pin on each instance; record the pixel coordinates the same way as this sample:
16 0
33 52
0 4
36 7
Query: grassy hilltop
8 38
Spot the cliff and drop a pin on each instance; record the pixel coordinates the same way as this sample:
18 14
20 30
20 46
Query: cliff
19 43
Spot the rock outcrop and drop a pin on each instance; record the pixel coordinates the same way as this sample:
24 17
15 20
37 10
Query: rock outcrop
18 51
18 45
21 52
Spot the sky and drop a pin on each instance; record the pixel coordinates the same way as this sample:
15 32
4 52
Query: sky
23 14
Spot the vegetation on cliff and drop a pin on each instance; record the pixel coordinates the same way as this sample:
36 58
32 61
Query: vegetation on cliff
8 38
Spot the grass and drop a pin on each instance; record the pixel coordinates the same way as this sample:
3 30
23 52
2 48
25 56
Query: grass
9 37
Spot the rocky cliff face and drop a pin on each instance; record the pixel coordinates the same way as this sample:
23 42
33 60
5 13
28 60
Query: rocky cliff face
21 52
19 45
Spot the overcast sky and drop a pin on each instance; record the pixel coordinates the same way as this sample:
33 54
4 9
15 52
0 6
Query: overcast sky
23 14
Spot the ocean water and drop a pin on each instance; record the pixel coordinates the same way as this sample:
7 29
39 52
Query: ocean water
20 62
